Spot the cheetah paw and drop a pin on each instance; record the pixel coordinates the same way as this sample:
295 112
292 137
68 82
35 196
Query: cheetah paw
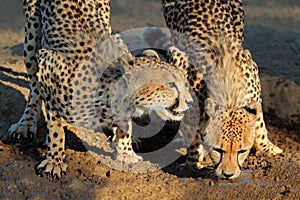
51 168
23 129
274 150
270 148
197 165
129 158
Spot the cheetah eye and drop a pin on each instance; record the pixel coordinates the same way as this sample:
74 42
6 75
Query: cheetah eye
250 110
220 151
242 151
171 84
186 84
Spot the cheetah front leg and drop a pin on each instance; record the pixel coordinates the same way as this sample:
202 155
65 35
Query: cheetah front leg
190 128
27 125
196 152
124 145
54 165
261 141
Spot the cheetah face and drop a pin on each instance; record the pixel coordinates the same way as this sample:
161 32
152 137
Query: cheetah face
153 86
233 136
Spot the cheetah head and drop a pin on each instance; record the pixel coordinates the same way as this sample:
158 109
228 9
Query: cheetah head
152 85
232 110
229 135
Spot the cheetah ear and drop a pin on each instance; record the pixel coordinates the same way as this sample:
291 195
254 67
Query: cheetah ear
250 110
253 109
209 107
126 62
151 53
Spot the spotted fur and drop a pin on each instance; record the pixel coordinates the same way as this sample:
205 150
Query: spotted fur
209 35
87 77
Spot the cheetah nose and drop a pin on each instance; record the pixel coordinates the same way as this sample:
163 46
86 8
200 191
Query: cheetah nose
226 175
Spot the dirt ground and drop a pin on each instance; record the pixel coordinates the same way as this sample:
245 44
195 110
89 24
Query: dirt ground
272 35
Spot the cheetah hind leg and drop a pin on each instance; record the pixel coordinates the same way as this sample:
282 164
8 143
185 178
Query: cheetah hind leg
262 142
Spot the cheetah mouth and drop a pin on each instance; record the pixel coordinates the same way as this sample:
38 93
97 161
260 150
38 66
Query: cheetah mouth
172 108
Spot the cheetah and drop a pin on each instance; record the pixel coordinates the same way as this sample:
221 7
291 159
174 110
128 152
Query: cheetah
207 39
86 77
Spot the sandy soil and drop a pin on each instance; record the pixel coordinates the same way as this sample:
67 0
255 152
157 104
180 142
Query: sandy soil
272 35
